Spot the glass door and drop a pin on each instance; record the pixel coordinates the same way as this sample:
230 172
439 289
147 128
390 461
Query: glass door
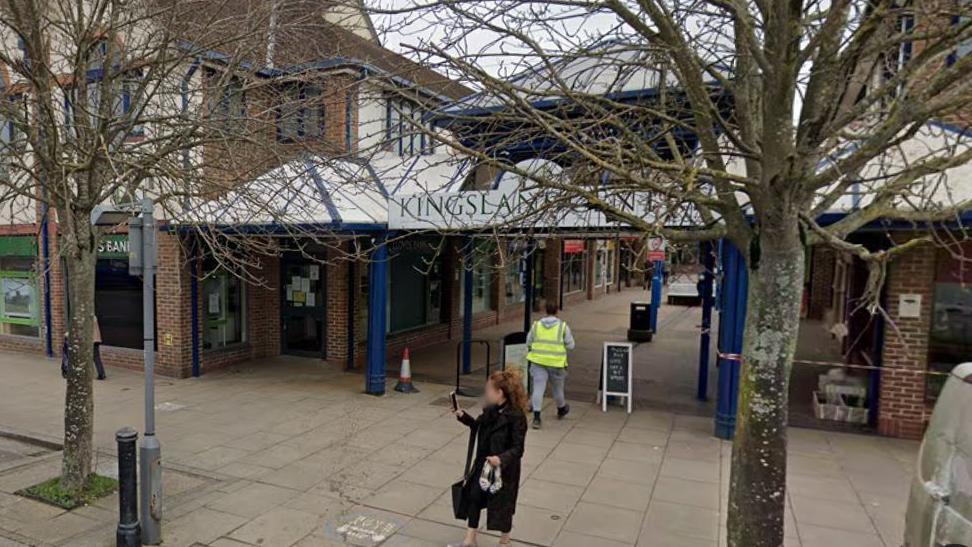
303 310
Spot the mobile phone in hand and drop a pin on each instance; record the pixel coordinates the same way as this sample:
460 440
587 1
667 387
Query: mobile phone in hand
455 401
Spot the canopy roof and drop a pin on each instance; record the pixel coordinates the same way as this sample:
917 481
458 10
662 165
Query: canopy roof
338 194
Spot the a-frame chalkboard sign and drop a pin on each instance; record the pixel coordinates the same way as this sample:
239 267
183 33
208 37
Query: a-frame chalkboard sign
616 372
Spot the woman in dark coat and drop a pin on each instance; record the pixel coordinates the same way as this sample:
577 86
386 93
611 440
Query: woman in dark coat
500 433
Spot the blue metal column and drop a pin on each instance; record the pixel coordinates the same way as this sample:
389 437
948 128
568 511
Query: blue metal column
469 257
706 249
528 258
732 325
377 309
656 294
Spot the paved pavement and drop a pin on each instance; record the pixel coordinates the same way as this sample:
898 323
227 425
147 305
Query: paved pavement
665 370
289 452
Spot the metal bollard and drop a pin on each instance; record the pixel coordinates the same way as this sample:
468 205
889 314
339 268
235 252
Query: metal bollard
129 534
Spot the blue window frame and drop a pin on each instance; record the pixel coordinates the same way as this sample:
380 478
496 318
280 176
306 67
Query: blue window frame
300 116
965 47
406 130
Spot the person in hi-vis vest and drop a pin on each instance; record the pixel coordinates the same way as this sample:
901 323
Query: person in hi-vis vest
548 342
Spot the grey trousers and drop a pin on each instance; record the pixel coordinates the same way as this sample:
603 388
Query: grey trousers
540 374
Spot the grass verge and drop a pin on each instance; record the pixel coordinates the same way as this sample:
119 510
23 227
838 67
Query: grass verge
51 492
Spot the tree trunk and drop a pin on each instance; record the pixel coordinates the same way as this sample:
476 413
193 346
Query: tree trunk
758 482
80 252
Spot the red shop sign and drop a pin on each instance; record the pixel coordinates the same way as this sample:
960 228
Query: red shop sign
572 246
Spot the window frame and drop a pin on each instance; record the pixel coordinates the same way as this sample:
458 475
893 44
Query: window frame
34 319
301 113
209 322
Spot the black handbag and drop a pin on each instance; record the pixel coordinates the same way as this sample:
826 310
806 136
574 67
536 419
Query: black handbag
460 495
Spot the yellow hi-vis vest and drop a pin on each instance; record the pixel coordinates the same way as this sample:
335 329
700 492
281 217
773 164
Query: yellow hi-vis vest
548 348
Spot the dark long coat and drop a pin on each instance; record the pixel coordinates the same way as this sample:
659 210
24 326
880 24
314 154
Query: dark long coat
499 432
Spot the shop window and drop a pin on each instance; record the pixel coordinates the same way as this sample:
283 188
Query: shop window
118 296
600 261
609 262
225 311
482 286
414 284
513 275
950 340
19 309
574 266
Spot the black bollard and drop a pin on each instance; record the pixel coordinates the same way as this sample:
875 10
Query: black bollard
129 533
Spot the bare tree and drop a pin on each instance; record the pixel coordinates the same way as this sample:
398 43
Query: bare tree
107 101
755 118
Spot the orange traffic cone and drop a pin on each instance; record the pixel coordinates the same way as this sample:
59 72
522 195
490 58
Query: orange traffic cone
405 376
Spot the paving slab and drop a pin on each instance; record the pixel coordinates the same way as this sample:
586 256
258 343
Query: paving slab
289 452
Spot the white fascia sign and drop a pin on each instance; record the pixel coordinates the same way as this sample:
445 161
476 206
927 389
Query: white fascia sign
510 209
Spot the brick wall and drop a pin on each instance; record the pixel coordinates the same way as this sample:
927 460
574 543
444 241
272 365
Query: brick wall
336 285
903 411
821 281
173 308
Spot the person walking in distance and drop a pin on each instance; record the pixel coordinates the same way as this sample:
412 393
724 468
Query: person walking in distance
548 341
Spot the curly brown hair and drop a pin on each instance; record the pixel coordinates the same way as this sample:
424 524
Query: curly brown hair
510 382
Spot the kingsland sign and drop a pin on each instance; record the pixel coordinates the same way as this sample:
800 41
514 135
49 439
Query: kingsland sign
511 209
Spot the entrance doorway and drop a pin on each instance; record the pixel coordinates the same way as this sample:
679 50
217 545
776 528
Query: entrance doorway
303 308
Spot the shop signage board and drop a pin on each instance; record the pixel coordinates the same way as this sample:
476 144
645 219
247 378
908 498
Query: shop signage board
573 246
528 208
515 356
656 249
616 379
113 246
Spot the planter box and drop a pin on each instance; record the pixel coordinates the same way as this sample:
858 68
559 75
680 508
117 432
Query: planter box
839 407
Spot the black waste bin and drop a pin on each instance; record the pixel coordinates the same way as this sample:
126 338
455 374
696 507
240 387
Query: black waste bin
639 326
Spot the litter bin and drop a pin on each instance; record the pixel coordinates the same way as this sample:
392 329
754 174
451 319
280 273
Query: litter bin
639 325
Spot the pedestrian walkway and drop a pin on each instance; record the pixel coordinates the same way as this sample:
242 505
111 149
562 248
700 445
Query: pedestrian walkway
665 370
289 452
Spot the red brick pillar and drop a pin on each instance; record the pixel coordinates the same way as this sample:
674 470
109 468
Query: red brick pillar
902 409
58 303
822 261
263 309
173 308
337 304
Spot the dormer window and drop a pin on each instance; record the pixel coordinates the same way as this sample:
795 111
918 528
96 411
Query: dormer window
227 102
965 47
406 132
300 115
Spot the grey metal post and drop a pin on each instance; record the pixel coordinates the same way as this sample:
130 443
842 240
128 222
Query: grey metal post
150 453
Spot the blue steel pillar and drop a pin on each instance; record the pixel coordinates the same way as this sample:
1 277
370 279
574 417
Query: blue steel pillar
377 309
469 257
706 249
732 324
656 294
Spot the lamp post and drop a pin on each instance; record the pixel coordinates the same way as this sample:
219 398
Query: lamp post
141 261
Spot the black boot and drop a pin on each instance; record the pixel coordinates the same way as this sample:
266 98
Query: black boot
536 420
563 411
